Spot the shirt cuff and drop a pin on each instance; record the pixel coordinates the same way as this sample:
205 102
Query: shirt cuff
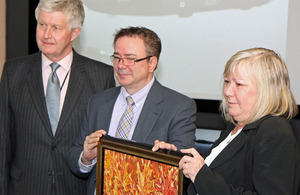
86 168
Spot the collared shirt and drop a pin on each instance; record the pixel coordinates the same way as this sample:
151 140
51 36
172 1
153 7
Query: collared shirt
118 110
63 73
121 104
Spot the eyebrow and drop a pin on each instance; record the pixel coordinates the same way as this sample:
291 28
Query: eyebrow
126 55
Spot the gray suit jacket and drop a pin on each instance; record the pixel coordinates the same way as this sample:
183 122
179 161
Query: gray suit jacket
32 160
166 115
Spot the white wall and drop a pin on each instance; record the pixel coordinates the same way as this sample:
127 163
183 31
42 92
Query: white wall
198 36
293 47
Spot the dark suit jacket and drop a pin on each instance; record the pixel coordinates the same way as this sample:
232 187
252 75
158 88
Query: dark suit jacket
32 161
262 159
166 116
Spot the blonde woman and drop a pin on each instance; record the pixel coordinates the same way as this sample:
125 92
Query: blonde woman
257 153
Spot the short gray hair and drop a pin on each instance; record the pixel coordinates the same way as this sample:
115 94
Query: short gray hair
73 8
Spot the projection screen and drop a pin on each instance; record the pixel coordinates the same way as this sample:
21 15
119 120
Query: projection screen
198 36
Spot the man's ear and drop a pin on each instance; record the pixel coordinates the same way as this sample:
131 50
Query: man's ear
75 33
152 63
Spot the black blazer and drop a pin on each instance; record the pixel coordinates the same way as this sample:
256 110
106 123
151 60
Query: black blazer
262 159
32 160
166 115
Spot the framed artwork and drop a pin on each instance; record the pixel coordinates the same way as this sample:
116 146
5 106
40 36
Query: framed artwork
126 167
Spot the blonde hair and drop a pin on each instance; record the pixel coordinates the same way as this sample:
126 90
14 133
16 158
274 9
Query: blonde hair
73 8
270 74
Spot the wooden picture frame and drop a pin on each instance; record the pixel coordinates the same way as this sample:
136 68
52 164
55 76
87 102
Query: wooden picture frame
124 166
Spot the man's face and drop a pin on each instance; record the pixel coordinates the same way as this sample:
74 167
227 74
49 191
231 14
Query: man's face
133 78
53 35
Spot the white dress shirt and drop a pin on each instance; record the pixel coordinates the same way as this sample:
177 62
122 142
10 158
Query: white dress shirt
216 151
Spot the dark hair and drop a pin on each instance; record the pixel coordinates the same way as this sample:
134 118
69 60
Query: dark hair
151 40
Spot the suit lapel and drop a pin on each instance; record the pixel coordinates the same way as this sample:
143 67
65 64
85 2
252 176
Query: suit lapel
75 87
229 151
108 105
237 143
36 89
150 113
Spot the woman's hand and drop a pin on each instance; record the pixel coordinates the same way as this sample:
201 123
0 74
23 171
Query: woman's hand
191 164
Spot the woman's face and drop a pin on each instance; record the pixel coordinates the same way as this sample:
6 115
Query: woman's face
241 94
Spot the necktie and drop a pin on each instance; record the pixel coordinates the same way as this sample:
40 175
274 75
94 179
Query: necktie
53 97
124 126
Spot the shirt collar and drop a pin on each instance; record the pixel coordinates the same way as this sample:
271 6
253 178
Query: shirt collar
139 96
66 62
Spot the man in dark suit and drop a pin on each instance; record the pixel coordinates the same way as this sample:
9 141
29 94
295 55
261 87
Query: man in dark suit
159 113
33 154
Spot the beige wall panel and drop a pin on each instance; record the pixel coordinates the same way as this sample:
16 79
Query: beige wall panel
2 34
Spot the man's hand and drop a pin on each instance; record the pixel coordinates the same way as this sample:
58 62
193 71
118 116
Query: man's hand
90 146
163 145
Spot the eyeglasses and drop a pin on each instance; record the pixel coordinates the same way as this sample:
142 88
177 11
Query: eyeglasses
127 61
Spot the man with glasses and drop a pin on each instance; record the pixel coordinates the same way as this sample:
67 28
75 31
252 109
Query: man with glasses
141 109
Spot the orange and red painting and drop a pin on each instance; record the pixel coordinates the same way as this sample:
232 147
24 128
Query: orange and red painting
127 174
